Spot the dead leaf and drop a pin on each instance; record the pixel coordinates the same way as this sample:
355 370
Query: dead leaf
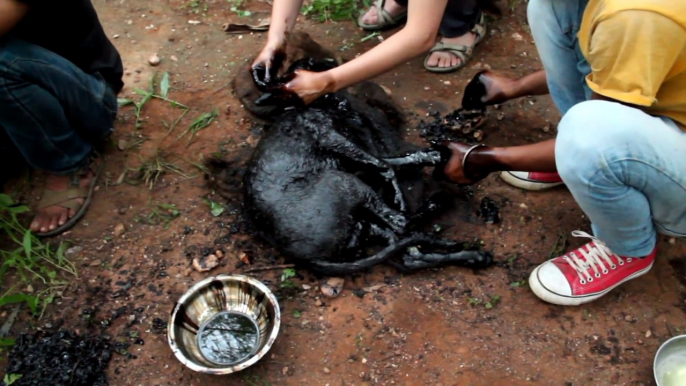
332 287
374 288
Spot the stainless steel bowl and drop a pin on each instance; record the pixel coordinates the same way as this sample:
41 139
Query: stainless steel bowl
669 366
224 324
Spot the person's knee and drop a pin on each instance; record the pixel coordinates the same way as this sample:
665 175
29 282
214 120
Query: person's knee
538 11
585 138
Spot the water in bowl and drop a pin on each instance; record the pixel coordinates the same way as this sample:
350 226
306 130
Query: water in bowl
673 370
228 338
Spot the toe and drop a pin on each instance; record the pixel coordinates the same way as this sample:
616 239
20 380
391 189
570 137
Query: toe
433 60
63 216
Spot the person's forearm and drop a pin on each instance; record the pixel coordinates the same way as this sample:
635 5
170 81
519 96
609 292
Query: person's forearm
537 157
417 37
532 84
11 12
284 15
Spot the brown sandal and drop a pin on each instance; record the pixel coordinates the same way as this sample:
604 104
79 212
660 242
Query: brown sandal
66 198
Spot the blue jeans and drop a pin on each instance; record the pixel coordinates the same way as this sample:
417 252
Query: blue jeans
51 110
625 168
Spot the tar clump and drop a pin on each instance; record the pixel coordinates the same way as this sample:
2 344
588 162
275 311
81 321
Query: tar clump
59 358
489 211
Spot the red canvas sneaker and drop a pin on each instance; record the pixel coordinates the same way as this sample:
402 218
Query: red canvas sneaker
586 273
532 180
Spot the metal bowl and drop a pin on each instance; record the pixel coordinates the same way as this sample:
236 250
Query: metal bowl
669 366
224 324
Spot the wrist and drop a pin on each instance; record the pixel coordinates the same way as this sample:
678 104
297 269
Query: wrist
329 81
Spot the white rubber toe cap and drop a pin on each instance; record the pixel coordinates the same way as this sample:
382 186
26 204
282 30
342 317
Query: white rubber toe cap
550 284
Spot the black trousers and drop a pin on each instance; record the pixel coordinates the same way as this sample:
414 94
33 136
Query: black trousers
460 17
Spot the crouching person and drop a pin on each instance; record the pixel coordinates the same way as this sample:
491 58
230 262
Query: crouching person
616 70
59 77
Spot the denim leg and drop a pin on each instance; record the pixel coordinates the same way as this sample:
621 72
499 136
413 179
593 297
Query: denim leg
554 26
627 171
51 109
459 17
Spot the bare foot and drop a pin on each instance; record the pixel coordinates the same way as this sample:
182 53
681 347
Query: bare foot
372 16
443 59
49 218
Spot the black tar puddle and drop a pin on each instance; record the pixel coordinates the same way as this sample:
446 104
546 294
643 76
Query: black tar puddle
60 358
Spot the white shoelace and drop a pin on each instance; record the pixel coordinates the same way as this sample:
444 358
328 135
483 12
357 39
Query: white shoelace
598 258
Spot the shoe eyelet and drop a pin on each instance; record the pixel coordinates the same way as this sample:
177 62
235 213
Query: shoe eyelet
613 266
582 282
628 260
621 262
597 275
605 271
590 279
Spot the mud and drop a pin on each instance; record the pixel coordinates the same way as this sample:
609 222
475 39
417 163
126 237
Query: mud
489 210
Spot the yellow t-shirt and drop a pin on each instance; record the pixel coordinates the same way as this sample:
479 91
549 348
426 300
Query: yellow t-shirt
637 53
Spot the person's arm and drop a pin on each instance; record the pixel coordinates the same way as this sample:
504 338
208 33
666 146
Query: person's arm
11 12
417 37
500 89
284 15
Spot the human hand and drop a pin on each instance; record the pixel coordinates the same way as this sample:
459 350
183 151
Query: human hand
266 65
487 88
310 85
454 169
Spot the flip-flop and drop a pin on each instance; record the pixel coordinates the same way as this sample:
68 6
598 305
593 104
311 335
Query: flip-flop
66 198
385 19
461 51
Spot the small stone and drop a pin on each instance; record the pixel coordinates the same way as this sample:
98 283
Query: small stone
122 144
29 288
546 128
332 287
501 116
523 206
447 83
427 88
318 303
364 360
96 263
193 22
518 37
306 286
174 58
639 341
121 211
243 257
132 318
326 370
386 90
219 254
119 230
115 36
205 264
478 135
284 371
672 241
628 318
73 250
649 333
154 60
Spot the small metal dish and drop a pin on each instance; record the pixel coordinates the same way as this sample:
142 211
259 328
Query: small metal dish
669 366
224 324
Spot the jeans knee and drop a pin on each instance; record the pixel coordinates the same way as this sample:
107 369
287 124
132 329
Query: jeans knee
538 11
585 137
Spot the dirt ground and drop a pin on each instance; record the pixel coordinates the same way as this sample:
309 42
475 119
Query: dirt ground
418 329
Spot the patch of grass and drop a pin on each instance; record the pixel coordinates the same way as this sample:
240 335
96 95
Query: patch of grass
36 264
494 300
297 314
518 284
201 122
335 10
197 6
148 95
11 378
150 171
236 8
286 275
160 214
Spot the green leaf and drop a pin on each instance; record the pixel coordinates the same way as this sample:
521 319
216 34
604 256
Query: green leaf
287 274
7 342
297 314
142 92
5 201
31 301
11 378
27 243
121 102
164 85
216 208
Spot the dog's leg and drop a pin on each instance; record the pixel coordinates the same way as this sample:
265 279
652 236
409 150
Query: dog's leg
336 143
438 155
454 255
